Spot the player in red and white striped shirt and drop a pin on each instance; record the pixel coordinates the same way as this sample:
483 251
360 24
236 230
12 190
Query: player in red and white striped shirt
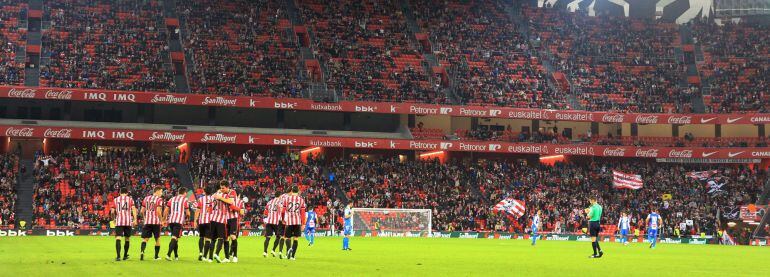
233 224
152 212
220 214
273 224
294 218
125 217
176 213
203 220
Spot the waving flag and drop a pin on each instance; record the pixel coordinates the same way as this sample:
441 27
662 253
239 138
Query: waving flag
701 175
626 181
511 206
709 179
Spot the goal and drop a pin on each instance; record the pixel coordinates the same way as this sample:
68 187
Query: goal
416 222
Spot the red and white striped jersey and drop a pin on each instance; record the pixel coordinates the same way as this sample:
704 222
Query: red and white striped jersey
273 211
123 205
177 207
150 204
219 212
204 209
293 209
237 202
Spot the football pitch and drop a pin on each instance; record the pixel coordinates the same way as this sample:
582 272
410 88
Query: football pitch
93 256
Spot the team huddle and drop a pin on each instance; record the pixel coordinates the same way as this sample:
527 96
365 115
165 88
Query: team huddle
217 216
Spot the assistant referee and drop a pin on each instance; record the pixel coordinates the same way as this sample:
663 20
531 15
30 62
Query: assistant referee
594 214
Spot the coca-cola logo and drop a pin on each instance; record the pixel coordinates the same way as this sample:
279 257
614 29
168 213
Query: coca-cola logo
615 152
18 132
167 136
217 138
61 133
680 153
680 119
649 153
615 118
61 94
646 119
22 93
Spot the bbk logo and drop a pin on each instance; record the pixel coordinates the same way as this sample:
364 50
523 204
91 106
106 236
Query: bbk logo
365 109
494 147
12 233
284 141
445 145
282 105
495 112
445 110
365 144
59 233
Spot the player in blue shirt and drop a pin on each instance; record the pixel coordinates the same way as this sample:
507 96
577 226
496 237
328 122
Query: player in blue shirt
654 222
624 225
348 228
535 225
310 223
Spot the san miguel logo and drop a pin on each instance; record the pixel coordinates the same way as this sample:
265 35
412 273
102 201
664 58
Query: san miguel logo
218 138
58 94
680 119
19 132
680 153
22 93
613 118
61 133
222 101
614 152
166 136
649 153
169 99
646 119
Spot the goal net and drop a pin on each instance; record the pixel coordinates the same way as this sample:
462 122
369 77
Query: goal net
410 222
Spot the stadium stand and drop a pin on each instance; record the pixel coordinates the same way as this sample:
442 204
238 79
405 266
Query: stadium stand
75 188
240 48
735 66
106 44
614 63
13 38
9 171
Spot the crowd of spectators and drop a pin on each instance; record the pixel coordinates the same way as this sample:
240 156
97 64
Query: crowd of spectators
367 51
75 188
735 65
9 172
240 48
487 55
614 63
106 44
13 38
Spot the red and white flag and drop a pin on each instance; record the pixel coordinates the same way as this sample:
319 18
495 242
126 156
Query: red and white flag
511 206
626 181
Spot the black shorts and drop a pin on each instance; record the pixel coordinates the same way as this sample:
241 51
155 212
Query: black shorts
150 230
204 230
594 228
232 227
218 230
274 229
122 231
293 231
176 229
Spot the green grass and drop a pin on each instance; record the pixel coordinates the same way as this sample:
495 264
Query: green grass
93 256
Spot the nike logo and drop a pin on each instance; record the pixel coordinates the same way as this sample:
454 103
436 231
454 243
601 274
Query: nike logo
707 120
709 153
731 120
731 154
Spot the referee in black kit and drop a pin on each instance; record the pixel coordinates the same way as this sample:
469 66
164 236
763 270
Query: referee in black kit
594 215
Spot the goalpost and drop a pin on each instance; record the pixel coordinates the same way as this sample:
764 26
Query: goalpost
417 222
